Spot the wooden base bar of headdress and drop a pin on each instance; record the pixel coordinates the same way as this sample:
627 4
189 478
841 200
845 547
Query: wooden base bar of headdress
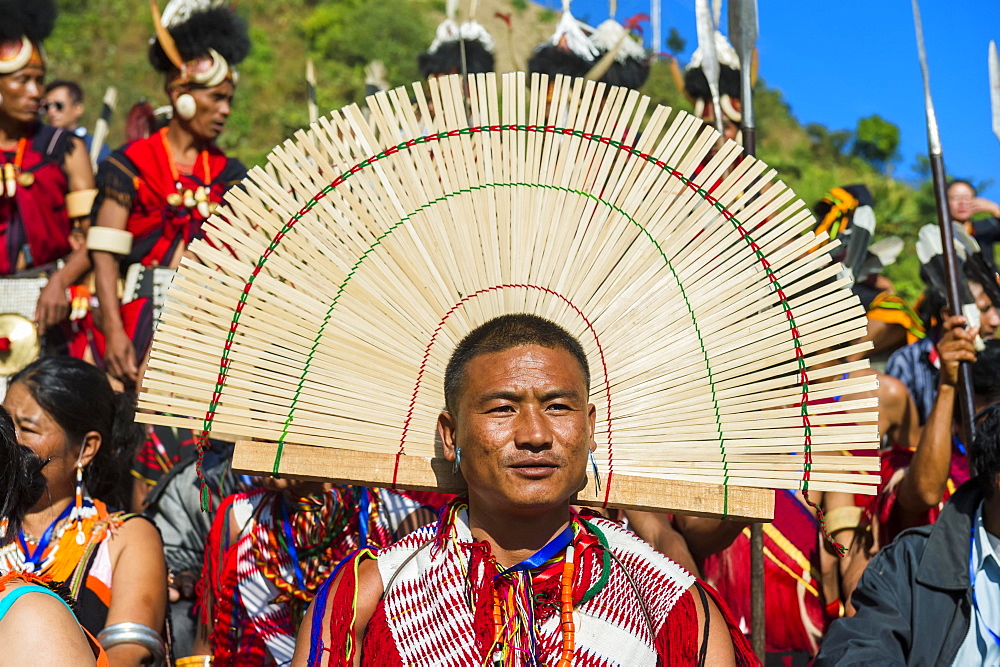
421 473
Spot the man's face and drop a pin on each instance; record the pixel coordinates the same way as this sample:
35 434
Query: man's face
212 110
960 197
989 318
60 109
730 128
525 428
21 93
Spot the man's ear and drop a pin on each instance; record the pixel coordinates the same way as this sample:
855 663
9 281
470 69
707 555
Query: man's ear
592 425
173 92
446 431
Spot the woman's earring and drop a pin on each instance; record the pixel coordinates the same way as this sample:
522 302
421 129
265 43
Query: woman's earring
458 461
597 474
77 514
186 106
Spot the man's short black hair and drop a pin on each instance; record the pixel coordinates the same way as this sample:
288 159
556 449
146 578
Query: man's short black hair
72 87
986 372
503 333
984 453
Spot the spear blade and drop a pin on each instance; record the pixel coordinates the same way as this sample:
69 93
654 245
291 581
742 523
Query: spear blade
744 28
933 134
709 58
994 61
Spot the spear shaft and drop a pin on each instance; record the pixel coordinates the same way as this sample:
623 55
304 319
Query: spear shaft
103 124
993 61
938 175
743 29
311 91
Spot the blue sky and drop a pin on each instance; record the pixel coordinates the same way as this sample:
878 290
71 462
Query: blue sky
836 62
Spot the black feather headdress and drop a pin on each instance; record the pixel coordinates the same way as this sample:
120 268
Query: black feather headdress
215 28
33 19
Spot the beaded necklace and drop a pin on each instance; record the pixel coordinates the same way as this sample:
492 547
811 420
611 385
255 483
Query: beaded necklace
61 551
513 613
33 556
311 537
12 174
189 199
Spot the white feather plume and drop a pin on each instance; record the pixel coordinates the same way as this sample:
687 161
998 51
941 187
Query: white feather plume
179 11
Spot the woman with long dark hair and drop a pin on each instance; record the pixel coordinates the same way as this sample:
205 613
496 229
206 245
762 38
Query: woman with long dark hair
65 411
26 602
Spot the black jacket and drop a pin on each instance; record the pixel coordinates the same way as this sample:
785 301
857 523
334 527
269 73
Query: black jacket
914 600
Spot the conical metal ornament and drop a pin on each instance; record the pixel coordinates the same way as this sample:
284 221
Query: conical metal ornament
19 343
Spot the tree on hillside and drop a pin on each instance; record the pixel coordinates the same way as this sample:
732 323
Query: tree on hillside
346 35
876 141
675 43
826 144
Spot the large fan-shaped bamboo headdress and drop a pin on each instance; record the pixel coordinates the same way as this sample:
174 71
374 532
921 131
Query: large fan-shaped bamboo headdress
340 278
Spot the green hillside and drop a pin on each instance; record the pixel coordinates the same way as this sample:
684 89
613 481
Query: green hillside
103 42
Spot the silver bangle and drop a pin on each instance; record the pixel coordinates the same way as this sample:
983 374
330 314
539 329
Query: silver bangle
134 633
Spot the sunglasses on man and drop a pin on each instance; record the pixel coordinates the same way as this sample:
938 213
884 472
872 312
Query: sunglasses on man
55 106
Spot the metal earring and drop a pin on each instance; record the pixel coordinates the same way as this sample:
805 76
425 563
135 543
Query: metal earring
597 474
458 461
186 106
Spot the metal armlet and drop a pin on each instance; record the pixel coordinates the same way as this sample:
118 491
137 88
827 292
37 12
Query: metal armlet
134 633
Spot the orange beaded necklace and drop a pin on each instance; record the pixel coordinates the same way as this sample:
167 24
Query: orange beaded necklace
566 612
568 626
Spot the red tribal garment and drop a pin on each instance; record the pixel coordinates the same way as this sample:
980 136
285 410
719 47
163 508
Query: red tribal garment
256 588
167 207
141 178
446 603
793 594
164 448
34 225
895 462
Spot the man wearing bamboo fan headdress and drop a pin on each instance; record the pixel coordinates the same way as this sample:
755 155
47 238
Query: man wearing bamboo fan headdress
509 575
